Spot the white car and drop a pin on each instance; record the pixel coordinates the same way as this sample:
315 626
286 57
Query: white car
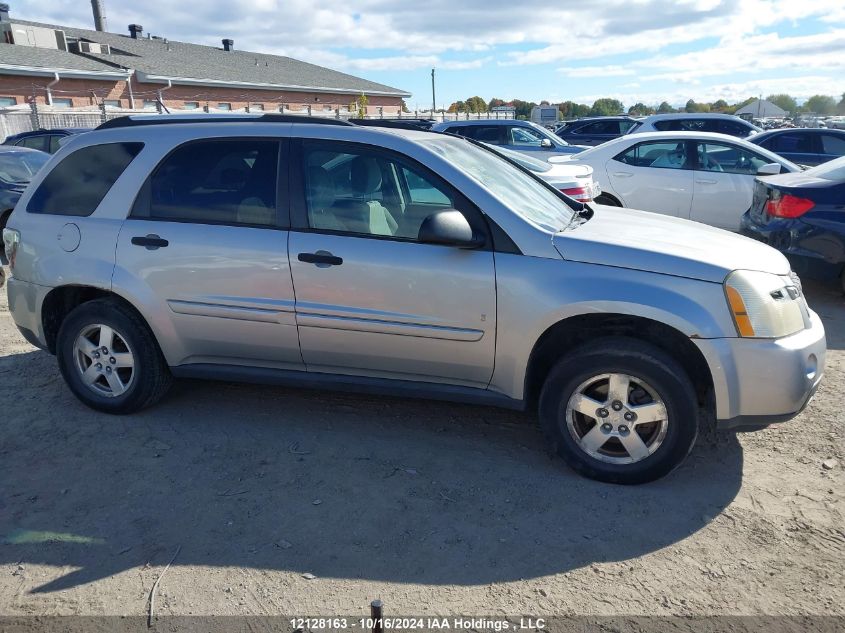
699 176
696 122
575 180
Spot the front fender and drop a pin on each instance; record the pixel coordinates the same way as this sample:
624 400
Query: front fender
534 294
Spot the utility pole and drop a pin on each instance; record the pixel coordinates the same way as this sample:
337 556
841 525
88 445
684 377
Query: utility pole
433 100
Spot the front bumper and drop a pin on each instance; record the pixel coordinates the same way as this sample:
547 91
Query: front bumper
758 382
25 301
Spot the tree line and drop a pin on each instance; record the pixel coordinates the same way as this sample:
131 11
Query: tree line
817 104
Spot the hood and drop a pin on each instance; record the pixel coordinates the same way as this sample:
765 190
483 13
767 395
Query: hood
662 244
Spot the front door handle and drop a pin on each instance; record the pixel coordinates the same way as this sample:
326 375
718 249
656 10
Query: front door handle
151 242
322 259
623 174
704 181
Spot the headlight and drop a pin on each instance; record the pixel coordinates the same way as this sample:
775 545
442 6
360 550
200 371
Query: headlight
764 305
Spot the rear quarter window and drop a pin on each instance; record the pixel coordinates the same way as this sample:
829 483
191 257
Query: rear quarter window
78 184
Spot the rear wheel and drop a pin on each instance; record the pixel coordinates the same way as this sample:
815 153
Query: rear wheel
110 359
607 200
619 410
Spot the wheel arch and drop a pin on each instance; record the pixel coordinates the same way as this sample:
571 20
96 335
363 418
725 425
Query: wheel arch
569 333
62 300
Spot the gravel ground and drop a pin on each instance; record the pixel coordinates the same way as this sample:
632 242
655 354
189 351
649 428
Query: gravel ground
296 502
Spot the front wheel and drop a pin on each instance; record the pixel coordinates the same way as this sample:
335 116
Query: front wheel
110 359
620 411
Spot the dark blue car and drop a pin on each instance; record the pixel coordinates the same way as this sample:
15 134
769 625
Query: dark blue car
802 215
18 165
803 146
44 140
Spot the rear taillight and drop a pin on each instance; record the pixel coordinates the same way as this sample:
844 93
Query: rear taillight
788 206
581 194
11 239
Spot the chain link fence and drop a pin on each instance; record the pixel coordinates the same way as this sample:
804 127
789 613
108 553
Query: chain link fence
25 118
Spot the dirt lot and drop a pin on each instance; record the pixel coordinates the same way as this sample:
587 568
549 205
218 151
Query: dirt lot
434 508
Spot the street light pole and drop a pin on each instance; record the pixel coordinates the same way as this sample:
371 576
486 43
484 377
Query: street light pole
433 100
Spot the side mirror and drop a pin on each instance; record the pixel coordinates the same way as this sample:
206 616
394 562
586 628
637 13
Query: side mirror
449 228
769 169
546 144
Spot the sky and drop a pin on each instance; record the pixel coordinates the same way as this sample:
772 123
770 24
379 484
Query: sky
580 50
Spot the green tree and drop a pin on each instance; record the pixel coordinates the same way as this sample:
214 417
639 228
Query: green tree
640 109
692 106
821 104
523 108
495 103
360 106
606 107
476 104
719 106
841 106
741 104
572 110
457 106
784 101
404 106
665 108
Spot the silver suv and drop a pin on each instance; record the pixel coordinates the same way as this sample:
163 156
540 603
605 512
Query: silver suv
401 262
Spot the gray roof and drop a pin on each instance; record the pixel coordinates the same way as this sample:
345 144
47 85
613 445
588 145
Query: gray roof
158 60
761 107
50 59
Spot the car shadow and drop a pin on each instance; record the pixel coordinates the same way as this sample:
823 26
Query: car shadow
338 485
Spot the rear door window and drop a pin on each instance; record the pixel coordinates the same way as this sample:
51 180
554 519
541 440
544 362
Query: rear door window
833 145
727 158
218 181
793 143
34 142
78 184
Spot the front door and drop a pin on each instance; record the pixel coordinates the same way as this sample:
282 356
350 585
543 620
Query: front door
208 242
654 176
372 300
724 183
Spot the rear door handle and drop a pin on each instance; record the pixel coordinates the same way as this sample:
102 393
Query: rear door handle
703 181
151 242
321 258
623 174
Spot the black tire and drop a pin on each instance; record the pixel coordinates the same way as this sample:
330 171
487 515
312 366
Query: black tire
150 377
607 200
640 360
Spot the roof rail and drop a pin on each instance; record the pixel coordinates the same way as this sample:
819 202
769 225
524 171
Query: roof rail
135 121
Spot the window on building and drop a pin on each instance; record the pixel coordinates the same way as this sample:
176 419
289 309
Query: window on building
224 106
63 103
191 105
231 181
78 184
257 106
284 107
150 104
8 101
114 103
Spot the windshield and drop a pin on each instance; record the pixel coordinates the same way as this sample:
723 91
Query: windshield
833 170
532 164
520 192
18 168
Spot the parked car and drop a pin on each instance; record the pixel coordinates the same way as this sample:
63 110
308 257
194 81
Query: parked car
403 122
43 140
520 136
803 216
399 262
802 146
18 166
698 176
595 130
700 122
576 180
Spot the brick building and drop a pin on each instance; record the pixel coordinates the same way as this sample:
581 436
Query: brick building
70 67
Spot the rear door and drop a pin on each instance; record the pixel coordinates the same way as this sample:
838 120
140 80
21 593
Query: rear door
724 183
654 176
207 239
372 300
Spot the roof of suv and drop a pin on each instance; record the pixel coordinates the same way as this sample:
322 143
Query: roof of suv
518 122
693 115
